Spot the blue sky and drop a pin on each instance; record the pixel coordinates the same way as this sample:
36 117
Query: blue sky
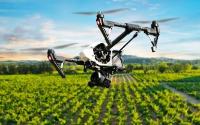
47 23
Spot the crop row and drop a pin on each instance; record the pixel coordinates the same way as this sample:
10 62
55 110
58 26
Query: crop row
168 77
46 99
159 105
190 88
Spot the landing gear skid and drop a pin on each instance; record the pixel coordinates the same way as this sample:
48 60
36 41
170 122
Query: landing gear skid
98 79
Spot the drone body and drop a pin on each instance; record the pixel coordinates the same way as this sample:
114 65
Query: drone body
101 57
104 65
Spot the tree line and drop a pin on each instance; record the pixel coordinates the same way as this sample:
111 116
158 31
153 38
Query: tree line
26 68
69 68
162 67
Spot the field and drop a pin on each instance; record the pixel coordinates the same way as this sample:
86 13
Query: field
132 99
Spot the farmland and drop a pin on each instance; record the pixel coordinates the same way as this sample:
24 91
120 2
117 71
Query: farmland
135 98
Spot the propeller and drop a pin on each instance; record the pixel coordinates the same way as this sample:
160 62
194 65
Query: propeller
84 46
159 21
104 12
5 49
64 46
46 48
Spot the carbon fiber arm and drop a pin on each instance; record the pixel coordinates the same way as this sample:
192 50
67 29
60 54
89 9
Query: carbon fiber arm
58 61
152 31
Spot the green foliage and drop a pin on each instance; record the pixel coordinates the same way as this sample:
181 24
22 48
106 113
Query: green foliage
129 68
70 68
48 99
195 67
146 68
191 88
187 67
177 68
162 67
38 68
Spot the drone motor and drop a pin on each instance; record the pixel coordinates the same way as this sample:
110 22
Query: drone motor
101 53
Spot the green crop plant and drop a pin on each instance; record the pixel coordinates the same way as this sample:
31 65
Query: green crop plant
132 99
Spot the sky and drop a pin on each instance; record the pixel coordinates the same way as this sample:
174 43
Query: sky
48 23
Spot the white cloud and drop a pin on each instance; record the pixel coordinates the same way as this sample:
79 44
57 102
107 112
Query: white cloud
37 31
151 6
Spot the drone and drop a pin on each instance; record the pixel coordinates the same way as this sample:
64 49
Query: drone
101 57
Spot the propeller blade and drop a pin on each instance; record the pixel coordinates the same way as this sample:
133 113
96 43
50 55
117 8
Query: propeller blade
85 13
64 46
159 21
104 12
115 10
34 49
84 46
5 49
168 19
46 48
142 22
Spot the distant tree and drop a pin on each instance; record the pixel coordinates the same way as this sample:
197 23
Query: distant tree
137 67
195 67
34 69
1 69
129 68
146 68
187 67
49 68
162 67
177 68
12 69
23 69
5 69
